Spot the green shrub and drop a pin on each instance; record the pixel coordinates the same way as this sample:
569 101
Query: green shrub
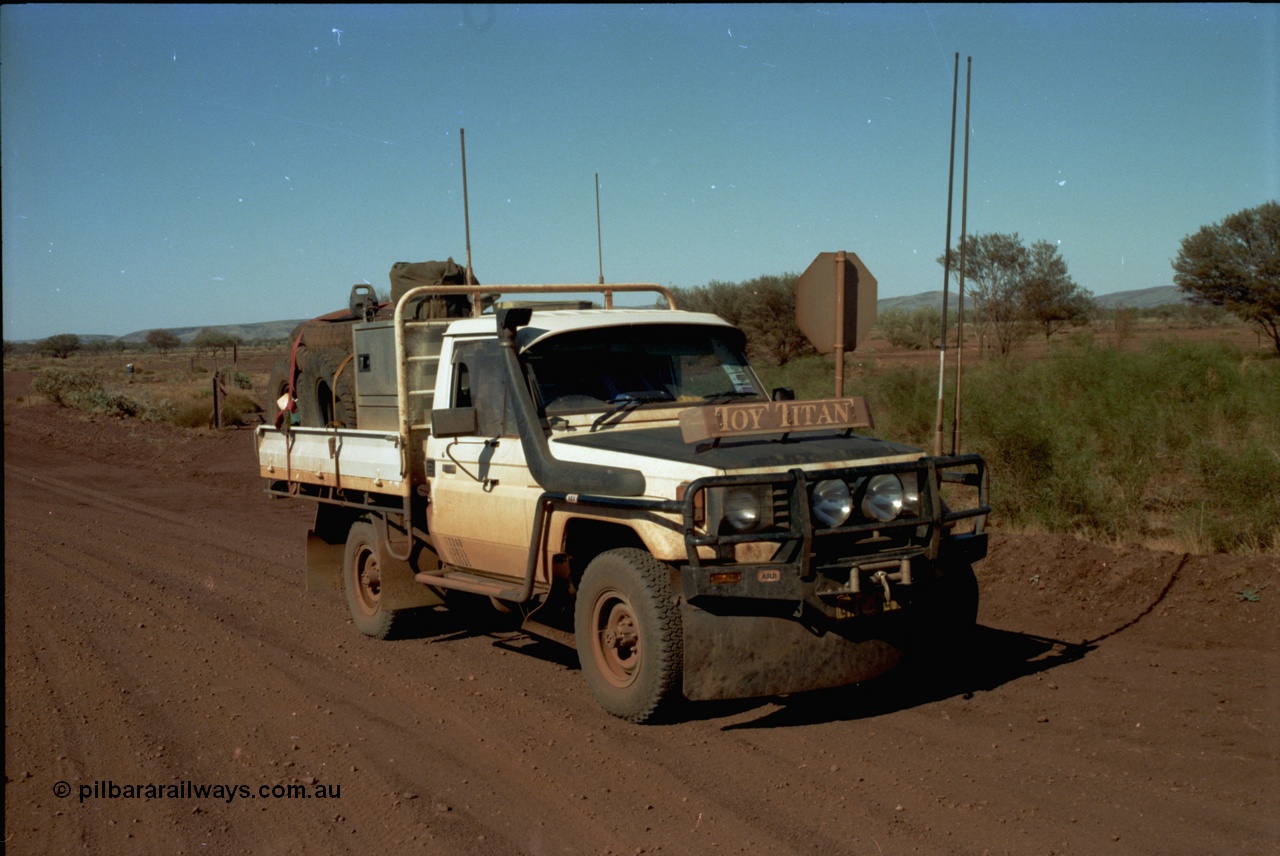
194 413
1238 492
83 390
903 401
1181 439
65 386
197 412
238 409
237 378
813 376
916 330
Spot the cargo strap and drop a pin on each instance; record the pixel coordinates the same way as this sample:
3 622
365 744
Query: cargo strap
286 412
334 387
293 397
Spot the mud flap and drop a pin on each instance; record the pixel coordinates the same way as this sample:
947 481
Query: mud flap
746 656
399 588
324 564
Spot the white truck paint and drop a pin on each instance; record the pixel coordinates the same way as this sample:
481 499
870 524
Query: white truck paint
551 475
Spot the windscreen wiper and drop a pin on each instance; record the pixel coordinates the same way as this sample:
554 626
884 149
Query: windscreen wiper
641 396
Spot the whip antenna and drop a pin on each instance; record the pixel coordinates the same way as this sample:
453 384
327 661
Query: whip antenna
946 260
466 217
599 241
964 231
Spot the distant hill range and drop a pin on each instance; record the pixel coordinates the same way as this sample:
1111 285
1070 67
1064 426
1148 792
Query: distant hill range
1142 298
261 331
269 331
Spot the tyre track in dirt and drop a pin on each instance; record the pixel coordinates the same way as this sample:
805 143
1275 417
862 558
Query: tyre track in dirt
471 741
299 678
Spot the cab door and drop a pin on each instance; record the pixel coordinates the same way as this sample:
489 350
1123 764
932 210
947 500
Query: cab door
482 500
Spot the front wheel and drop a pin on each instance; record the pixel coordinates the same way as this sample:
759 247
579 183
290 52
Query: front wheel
362 579
629 638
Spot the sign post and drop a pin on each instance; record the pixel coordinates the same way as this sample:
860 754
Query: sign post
836 306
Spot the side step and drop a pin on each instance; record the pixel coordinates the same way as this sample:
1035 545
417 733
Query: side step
546 631
473 583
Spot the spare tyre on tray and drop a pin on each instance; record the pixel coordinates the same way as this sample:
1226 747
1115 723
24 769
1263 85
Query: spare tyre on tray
326 389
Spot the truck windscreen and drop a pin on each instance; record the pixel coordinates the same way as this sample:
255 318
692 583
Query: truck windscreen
596 368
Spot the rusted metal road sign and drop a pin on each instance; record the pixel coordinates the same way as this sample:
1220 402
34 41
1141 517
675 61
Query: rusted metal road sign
836 305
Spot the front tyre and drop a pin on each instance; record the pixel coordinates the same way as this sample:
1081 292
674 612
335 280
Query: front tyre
362 579
629 638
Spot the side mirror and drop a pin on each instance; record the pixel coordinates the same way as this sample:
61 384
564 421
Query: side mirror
783 393
454 422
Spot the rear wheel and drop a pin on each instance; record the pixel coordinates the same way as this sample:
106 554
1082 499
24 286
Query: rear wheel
629 637
362 579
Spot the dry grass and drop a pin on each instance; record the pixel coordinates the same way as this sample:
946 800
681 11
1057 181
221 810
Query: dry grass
175 387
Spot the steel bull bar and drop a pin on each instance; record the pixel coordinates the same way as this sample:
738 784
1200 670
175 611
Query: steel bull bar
759 629
762 629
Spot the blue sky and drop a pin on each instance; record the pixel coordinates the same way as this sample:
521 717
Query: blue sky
169 166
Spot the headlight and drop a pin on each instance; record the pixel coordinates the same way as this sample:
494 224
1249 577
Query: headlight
882 499
747 509
831 502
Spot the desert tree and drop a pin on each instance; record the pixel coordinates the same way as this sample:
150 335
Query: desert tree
764 308
1016 289
717 297
163 341
1050 299
769 319
60 346
996 267
1235 264
213 341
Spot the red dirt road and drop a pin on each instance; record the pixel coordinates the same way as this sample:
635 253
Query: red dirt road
157 632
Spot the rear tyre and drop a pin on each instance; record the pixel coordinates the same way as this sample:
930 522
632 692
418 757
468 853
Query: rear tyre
629 637
326 389
362 579
326 335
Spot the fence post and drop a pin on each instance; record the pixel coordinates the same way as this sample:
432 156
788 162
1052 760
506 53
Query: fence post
219 392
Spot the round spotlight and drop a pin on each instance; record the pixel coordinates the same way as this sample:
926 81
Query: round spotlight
742 509
883 498
831 502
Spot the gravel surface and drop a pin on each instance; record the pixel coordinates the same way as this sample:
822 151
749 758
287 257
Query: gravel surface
159 641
